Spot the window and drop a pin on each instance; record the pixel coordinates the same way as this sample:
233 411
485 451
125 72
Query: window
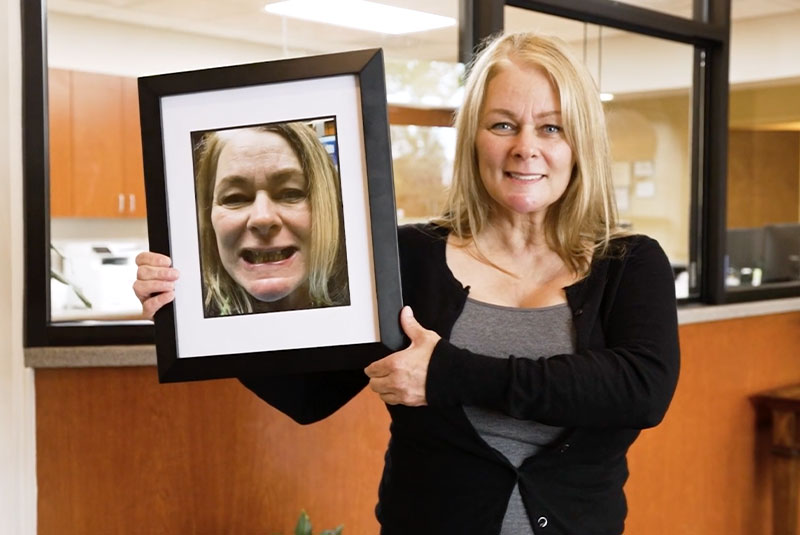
667 70
763 202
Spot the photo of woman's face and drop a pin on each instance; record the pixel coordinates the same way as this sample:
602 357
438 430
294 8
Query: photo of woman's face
261 216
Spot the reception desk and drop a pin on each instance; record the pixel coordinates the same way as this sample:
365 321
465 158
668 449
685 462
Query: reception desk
119 453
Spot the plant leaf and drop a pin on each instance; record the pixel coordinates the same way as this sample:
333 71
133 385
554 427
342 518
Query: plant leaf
303 524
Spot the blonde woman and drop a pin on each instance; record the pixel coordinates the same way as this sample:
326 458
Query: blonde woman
269 220
542 338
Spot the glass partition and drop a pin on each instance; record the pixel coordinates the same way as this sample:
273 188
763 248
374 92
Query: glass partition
763 204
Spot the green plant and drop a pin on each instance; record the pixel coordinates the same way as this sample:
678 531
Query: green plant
303 526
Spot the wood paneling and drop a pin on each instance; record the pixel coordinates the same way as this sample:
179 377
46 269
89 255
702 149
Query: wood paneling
119 453
60 136
763 178
407 115
705 470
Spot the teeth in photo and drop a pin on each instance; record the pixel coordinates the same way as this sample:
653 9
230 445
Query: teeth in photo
261 257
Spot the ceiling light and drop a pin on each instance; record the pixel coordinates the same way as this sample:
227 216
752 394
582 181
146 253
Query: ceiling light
606 97
361 15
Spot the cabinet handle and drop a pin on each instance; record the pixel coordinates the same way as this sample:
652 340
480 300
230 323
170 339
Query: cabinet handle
132 203
121 207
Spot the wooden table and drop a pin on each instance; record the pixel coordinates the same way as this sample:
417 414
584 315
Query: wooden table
784 405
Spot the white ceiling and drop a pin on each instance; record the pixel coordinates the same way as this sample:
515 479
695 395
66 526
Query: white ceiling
245 20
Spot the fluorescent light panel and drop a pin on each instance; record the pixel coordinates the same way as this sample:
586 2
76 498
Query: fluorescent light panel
361 15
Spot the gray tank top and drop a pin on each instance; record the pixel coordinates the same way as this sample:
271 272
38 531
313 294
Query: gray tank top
500 331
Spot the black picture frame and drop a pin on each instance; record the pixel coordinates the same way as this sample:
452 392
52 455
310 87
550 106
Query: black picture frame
172 105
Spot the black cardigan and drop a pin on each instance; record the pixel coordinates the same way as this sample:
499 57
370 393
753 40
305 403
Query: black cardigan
441 477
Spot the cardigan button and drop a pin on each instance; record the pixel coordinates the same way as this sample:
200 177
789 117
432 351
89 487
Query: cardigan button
578 312
542 521
564 447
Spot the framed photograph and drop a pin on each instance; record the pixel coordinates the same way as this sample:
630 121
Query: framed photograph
270 187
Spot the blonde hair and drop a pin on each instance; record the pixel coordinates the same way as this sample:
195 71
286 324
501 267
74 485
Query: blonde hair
327 263
581 224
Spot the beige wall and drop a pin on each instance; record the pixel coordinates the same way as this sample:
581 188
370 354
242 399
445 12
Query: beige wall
657 130
17 448
757 107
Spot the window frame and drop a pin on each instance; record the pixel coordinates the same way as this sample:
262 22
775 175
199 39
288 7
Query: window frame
39 331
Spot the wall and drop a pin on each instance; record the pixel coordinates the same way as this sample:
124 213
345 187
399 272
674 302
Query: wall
119 453
655 129
765 48
755 107
17 449
762 49
73 44
763 178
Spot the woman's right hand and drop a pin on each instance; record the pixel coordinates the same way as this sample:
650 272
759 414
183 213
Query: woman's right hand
155 282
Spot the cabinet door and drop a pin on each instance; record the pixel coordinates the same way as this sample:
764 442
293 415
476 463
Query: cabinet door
60 135
97 145
133 173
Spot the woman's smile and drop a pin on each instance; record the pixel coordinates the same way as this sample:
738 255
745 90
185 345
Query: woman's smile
268 256
525 177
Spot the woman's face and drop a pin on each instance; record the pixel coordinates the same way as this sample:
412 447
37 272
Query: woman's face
524 160
261 217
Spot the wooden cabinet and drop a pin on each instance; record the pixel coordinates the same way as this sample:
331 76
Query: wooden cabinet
132 165
60 144
95 146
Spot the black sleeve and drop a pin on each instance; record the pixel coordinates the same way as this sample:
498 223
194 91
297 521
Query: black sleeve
627 382
308 397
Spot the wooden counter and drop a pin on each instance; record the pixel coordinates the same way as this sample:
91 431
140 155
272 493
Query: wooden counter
119 453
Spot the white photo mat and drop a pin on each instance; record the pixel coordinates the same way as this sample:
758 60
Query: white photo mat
357 323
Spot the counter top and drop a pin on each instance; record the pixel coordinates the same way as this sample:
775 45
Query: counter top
97 315
145 355
703 313
90 356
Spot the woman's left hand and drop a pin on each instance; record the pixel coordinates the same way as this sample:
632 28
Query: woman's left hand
400 377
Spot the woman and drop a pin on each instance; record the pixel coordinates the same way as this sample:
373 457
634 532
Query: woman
542 338
270 221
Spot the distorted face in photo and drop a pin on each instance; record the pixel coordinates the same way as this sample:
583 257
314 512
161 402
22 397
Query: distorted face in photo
261 216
